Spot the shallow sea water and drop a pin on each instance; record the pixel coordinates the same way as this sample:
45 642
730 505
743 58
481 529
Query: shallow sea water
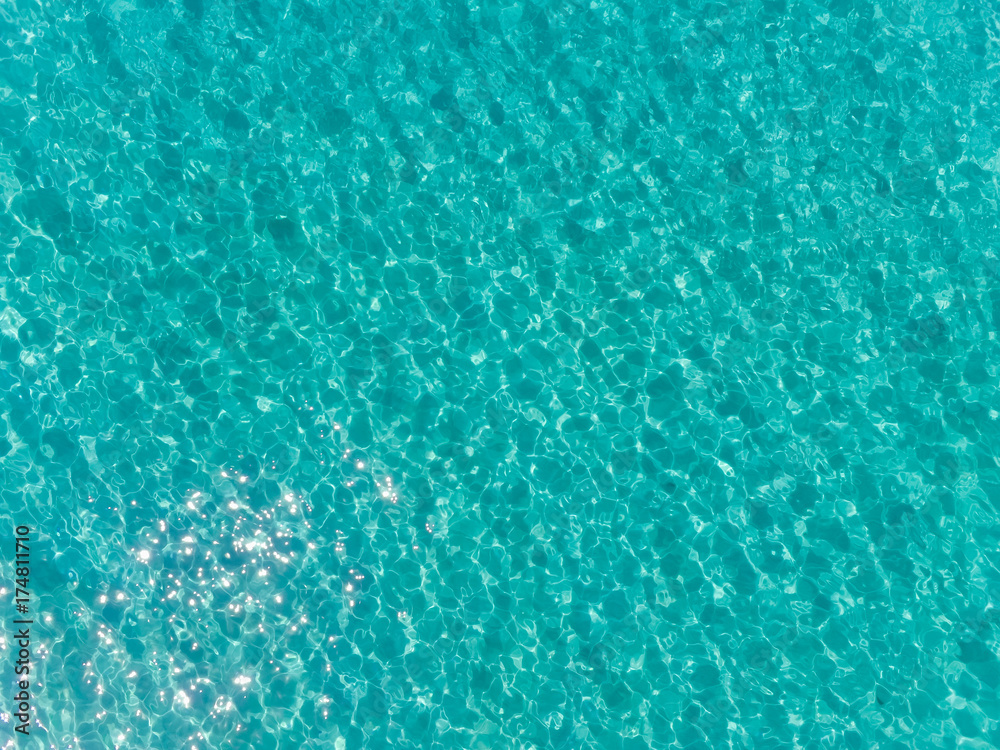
468 375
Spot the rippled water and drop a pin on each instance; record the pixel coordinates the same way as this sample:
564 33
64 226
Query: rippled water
443 375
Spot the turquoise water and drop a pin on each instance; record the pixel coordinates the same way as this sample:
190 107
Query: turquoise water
444 375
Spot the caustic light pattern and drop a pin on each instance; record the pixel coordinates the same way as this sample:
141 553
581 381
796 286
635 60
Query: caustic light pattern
487 375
